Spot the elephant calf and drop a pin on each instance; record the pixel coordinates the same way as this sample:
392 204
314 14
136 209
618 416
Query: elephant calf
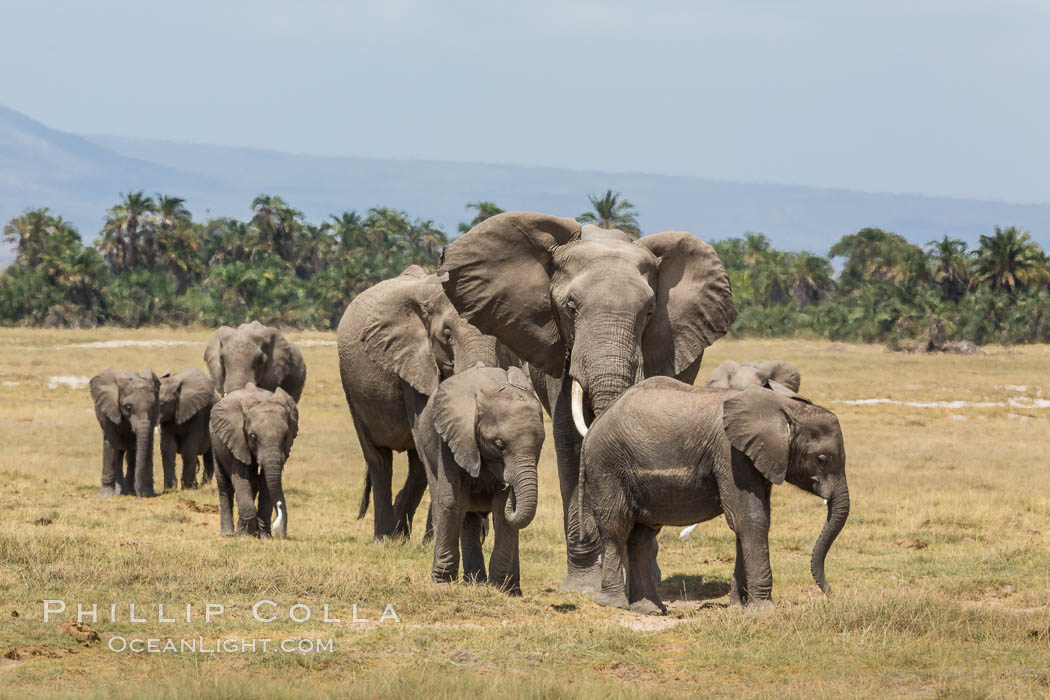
741 375
667 453
126 408
252 431
186 399
480 438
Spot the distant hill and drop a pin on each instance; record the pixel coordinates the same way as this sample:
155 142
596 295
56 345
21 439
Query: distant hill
80 177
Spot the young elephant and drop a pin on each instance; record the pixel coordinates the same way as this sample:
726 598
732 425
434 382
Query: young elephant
480 438
741 375
252 431
254 353
667 453
186 399
126 408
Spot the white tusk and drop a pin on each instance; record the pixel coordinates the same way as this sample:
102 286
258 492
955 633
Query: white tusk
825 501
687 532
280 516
577 408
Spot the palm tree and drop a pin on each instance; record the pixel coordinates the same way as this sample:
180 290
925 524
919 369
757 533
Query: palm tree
120 242
278 223
1009 259
876 255
485 210
36 232
951 267
809 278
610 211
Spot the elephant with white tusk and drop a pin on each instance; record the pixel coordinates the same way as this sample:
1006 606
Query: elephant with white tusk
593 313
252 431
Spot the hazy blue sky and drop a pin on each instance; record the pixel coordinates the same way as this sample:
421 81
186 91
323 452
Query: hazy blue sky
940 97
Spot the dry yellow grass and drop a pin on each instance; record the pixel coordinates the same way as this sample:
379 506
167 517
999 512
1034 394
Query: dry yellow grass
965 616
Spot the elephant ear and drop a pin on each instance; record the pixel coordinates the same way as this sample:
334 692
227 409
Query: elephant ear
497 275
455 418
213 355
719 379
287 361
106 394
694 302
781 373
293 417
757 423
196 391
227 426
150 376
396 336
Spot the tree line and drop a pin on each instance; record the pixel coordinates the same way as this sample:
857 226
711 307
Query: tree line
152 263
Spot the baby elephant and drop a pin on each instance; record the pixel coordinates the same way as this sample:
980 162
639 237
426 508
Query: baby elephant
480 438
126 408
667 453
186 399
741 375
252 431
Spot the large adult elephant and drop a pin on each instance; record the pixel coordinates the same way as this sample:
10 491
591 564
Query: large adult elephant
254 353
397 340
592 313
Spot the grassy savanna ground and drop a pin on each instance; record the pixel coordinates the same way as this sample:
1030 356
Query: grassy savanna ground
965 616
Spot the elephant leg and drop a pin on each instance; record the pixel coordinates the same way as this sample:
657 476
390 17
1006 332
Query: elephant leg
738 589
247 513
470 542
265 509
643 594
583 546
127 479
614 584
168 450
111 460
189 463
428 534
504 564
225 487
380 464
448 520
751 520
208 460
411 494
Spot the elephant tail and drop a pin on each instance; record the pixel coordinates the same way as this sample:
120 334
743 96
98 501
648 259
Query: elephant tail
365 496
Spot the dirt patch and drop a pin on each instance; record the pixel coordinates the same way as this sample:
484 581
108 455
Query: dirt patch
187 504
649 623
85 634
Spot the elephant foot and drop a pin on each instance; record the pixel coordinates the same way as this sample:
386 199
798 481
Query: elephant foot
126 488
170 485
189 486
760 607
586 580
648 607
108 491
145 493
225 533
611 598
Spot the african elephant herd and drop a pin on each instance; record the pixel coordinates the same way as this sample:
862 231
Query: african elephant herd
527 313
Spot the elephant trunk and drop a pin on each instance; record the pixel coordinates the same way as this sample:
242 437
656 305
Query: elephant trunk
272 466
838 511
521 505
603 375
142 479
236 379
474 347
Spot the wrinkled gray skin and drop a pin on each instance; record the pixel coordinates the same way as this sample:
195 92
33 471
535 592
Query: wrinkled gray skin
252 431
254 353
186 399
480 439
640 473
397 341
586 304
741 375
126 408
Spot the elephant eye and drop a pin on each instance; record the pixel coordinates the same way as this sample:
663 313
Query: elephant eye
127 407
571 307
499 444
253 437
822 460
447 333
